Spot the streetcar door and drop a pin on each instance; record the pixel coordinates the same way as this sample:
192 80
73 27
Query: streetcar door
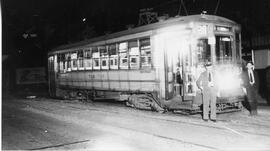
52 75
169 78
188 67
172 65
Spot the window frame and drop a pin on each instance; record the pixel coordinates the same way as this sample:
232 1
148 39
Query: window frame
80 59
96 57
114 58
123 55
146 56
134 56
74 60
88 58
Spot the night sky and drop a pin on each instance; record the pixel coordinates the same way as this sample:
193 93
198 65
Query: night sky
57 22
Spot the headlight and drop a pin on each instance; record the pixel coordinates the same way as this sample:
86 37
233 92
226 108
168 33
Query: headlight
228 81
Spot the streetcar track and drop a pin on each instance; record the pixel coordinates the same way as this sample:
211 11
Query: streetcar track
125 128
169 138
59 145
170 120
196 124
157 135
71 105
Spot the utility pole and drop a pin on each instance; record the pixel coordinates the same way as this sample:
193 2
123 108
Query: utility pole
216 9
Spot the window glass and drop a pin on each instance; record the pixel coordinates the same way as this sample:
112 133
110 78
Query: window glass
146 57
112 49
103 51
96 58
203 51
237 40
87 53
113 56
123 46
74 63
95 52
68 63
123 56
104 63
96 64
62 63
88 59
223 48
58 63
133 54
80 60
104 57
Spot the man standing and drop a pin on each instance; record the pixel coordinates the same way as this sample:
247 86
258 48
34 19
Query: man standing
250 86
206 83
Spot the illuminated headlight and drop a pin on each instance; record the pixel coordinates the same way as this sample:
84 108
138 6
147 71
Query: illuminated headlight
228 81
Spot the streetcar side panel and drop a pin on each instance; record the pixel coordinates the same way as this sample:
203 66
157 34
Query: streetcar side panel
109 80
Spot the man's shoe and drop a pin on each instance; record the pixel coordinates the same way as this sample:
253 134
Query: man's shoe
214 121
206 120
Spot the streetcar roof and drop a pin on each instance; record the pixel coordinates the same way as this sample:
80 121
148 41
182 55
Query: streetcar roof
157 25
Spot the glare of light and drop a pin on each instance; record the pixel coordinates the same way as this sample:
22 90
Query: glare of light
84 19
225 39
228 81
220 28
110 144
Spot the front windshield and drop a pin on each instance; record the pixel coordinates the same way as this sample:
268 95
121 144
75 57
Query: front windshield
223 48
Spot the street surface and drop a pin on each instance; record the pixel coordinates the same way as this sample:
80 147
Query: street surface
50 124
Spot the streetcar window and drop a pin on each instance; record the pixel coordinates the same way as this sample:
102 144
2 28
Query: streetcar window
133 60
237 40
58 63
88 59
204 51
123 46
96 63
62 63
87 53
80 60
143 60
111 62
104 63
145 52
133 54
74 63
123 55
103 51
96 57
104 57
113 56
124 61
223 48
112 49
68 63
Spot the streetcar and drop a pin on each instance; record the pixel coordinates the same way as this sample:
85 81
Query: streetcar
154 66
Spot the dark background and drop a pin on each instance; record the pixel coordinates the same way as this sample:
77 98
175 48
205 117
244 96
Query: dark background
57 22
31 28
